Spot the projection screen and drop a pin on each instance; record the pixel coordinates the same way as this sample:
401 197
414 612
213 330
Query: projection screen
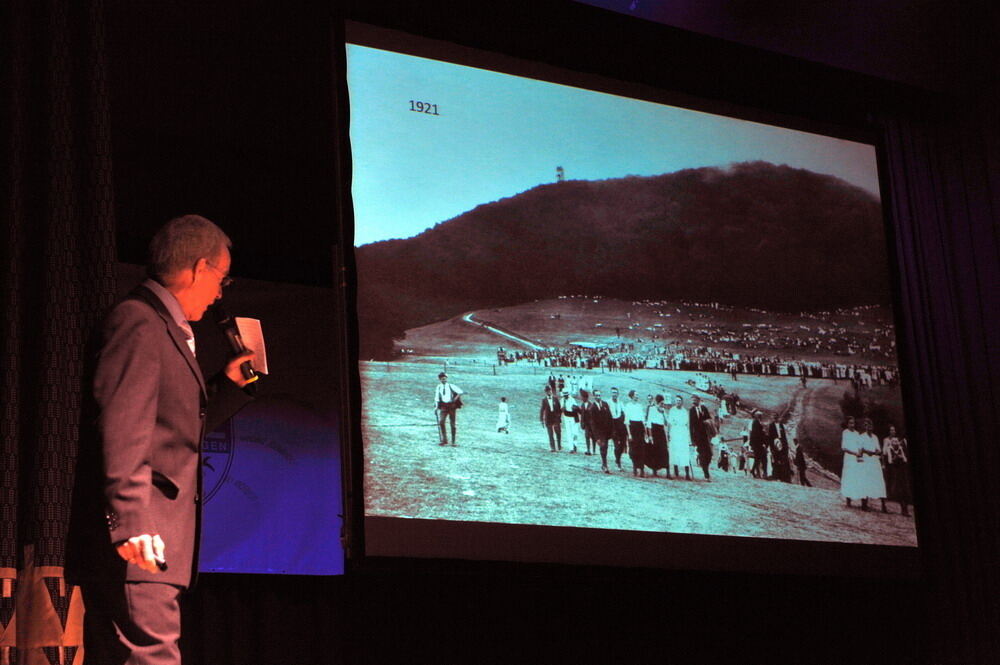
668 328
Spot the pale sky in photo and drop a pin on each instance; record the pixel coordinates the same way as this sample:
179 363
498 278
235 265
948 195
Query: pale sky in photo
498 135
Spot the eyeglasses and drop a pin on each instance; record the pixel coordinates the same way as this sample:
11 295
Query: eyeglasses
226 279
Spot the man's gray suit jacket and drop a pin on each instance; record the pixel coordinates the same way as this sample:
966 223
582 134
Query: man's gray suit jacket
140 450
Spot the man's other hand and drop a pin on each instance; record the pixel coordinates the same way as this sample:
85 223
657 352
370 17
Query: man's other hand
143 551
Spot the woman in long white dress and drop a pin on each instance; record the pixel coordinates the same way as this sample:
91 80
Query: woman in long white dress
571 432
679 443
503 416
852 477
871 466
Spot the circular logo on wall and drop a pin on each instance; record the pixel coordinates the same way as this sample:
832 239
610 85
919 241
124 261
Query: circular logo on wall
217 453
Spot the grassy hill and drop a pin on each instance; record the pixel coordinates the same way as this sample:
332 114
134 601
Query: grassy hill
753 234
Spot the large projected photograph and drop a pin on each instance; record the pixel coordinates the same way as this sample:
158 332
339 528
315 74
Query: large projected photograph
579 309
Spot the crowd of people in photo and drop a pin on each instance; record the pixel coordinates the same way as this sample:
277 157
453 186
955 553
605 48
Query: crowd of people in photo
876 340
657 432
655 435
661 434
632 356
863 329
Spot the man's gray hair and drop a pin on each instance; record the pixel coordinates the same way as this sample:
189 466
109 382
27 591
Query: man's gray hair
181 242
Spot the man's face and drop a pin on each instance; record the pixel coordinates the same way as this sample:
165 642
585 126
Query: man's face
696 401
597 395
444 379
614 395
207 285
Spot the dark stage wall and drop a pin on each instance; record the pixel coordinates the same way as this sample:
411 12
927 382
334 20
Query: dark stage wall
231 109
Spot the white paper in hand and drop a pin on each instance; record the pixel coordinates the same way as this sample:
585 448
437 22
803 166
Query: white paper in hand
253 339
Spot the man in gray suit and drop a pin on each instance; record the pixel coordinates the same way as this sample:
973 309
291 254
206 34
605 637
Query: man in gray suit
601 426
702 429
137 505
550 415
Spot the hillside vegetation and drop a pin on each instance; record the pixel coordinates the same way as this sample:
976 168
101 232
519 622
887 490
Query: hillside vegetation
753 234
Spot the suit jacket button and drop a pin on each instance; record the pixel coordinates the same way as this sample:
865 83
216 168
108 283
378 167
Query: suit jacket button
201 414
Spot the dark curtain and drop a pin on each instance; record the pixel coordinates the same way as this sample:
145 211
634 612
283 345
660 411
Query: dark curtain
57 255
945 179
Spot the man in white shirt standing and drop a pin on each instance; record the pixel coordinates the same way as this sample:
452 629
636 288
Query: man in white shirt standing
446 402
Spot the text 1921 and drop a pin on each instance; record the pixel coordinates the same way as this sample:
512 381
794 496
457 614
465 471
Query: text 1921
424 107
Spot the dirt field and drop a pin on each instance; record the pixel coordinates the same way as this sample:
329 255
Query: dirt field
513 478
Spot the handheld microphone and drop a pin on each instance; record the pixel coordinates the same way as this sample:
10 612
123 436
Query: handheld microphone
228 326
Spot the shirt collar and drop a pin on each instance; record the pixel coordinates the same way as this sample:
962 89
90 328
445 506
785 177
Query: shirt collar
170 302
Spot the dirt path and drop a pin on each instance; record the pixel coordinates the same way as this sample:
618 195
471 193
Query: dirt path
470 319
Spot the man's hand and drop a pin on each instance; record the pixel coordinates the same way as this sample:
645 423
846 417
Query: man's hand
233 367
143 551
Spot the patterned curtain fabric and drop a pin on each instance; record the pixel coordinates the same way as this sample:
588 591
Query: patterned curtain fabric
56 261
945 178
